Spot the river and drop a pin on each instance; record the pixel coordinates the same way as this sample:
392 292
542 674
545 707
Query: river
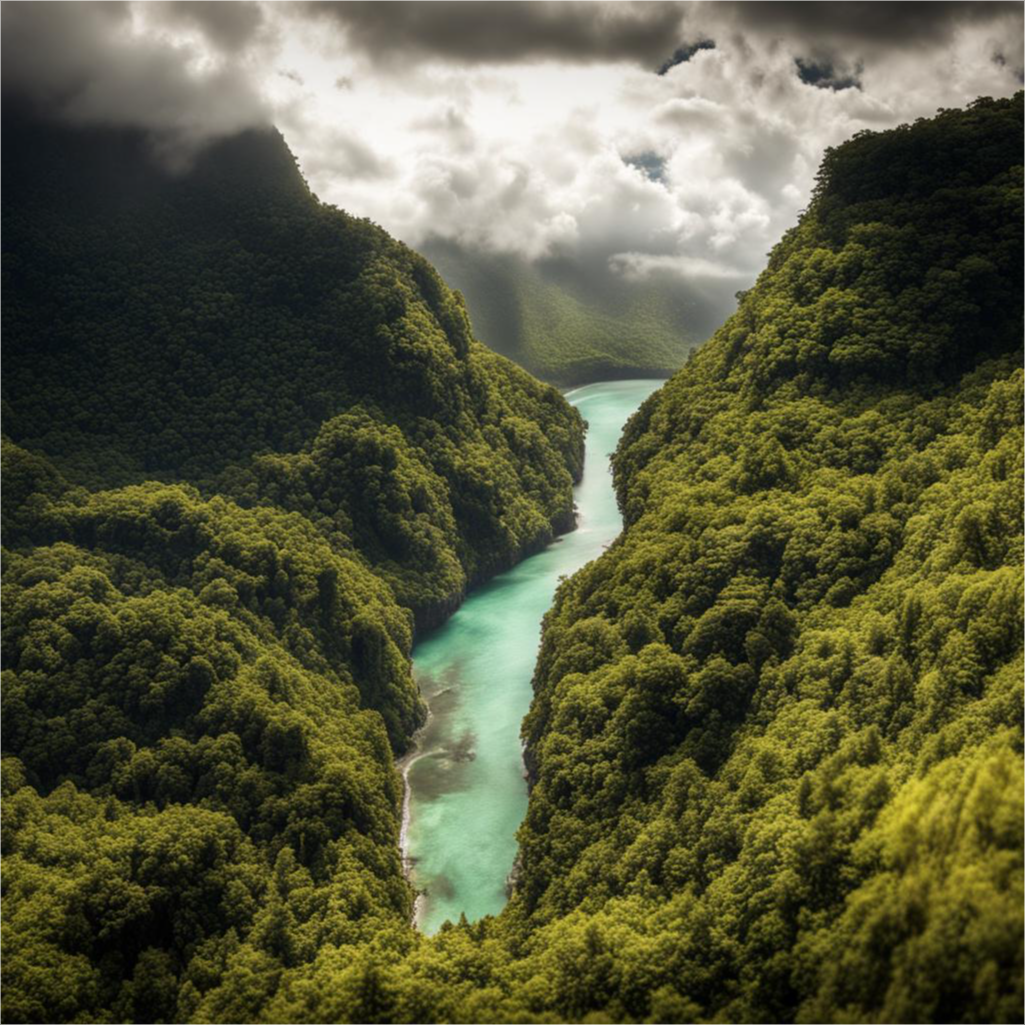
466 792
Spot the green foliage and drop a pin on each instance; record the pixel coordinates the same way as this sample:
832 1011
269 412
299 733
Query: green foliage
775 747
251 444
224 328
777 729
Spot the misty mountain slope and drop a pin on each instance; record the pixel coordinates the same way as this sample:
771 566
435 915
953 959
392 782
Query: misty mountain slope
569 325
249 441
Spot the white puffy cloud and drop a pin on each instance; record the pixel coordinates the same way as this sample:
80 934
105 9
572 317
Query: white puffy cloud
596 158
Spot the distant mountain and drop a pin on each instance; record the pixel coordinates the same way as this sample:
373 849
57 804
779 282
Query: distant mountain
571 325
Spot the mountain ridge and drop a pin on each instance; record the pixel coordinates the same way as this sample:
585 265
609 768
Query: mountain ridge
251 445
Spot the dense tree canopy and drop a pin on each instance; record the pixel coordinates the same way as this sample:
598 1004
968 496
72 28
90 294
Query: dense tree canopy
776 742
222 327
777 728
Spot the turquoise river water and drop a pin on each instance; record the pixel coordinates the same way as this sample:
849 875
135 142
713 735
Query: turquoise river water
466 792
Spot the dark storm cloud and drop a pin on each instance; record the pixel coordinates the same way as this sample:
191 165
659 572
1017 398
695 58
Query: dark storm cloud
825 76
868 24
655 35
684 54
83 63
504 32
229 27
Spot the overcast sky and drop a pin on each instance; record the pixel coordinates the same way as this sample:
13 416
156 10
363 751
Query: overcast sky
543 129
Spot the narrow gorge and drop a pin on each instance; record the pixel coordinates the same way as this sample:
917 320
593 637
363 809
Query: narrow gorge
467 789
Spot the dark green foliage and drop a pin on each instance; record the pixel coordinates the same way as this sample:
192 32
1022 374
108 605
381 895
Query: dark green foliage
776 741
224 328
205 676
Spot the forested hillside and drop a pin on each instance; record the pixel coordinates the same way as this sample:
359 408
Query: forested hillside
776 742
249 441
222 327
570 325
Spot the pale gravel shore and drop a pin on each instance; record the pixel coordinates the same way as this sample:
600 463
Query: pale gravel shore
404 764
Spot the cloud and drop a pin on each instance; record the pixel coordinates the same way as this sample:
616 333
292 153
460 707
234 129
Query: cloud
638 266
826 76
682 54
653 35
342 157
622 171
873 25
505 32
228 27
90 64
540 130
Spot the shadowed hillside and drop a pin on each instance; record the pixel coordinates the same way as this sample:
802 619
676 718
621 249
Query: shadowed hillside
248 438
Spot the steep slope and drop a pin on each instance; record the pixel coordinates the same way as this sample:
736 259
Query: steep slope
571 326
777 728
251 439
223 328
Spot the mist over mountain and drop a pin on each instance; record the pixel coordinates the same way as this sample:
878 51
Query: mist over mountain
570 324
641 138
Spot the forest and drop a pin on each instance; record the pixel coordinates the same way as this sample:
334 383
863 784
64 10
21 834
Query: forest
250 446
775 746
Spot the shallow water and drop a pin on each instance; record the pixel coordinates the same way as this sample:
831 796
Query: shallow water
467 793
